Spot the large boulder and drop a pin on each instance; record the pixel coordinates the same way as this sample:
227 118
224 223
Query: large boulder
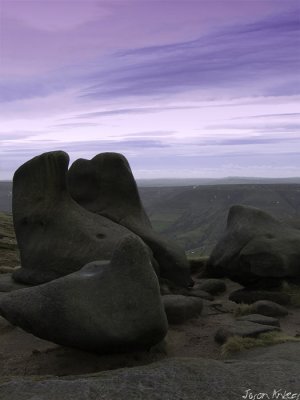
105 307
55 235
255 247
105 186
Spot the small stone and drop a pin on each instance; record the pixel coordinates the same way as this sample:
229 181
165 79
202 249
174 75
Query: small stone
260 319
197 292
251 296
180 308
243 329
212 286
269 308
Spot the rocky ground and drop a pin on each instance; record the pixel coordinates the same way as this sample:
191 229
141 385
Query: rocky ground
188 365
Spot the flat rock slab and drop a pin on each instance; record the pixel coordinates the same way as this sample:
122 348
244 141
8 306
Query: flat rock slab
243 329
260 319
212 286
251 296
196 292
269 308
181 308
172 379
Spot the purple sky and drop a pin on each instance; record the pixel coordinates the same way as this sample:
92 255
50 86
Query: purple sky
181 88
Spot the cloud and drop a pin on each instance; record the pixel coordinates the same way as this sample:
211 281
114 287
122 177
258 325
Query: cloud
250 59
74 125
280 127
17 135
128 111
263 116
257 140
261 57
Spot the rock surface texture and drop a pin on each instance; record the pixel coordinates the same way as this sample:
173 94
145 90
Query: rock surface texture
55 235
275 368
181 308
104 307
256 248
105 186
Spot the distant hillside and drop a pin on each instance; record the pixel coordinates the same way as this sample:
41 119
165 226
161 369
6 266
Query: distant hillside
231 180
5 196
196 216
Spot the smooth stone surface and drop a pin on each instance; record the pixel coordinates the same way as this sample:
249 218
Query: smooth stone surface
105 307
181 308
271 368
269 308
212 286
8 284
243 329
251 296
196 292
105 186
254 247
259 319
55 235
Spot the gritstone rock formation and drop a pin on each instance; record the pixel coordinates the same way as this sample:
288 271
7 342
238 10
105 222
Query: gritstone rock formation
55 235
105 185
104 307
256 248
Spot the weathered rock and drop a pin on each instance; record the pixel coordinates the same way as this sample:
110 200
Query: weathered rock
7 284
196 292
105 186
259 319
255 247
104 307
269 308
197 265
181 308
243 329
251 296
55 235
172 379
212 286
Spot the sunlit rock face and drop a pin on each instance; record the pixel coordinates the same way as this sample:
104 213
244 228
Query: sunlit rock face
105 186
55 235
105 307
256 249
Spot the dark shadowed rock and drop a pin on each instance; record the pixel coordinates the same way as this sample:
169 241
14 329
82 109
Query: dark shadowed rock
255 247
269 308
242 329
196 292
212 286
55 235
8 284
104 307
105 186
251 296
260 319
181 308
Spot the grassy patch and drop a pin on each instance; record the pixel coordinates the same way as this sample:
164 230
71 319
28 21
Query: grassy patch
293 291
236 343
243 309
